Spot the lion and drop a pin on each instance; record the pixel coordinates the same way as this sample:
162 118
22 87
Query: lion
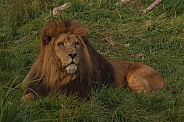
69 64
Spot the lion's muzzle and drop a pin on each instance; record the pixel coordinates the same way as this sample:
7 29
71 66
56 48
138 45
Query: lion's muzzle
71 68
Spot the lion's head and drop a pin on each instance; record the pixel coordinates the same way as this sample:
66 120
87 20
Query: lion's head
67 60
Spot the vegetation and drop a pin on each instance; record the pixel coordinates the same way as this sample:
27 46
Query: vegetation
117 32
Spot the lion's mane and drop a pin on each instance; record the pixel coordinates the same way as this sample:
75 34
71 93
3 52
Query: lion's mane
45 75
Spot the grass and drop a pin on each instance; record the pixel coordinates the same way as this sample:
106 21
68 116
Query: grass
155 38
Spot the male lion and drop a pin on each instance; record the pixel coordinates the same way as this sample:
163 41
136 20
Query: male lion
67 62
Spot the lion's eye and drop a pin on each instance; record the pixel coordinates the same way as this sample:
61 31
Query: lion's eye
60 44
76 43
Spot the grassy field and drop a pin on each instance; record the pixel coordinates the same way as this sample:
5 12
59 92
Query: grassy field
117 32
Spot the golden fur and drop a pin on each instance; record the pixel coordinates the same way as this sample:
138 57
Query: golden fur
67 62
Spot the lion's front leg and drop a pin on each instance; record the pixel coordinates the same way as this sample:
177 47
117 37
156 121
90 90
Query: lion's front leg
34 89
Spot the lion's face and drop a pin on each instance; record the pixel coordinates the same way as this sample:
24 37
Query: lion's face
68 50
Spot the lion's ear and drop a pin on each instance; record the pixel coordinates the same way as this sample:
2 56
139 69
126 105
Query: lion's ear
50 30
83 32
46 35
79 29
46 39
84 35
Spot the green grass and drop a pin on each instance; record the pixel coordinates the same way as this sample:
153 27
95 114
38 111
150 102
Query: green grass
158 36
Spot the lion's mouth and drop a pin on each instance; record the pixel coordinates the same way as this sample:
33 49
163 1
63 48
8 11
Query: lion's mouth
70 63
71 68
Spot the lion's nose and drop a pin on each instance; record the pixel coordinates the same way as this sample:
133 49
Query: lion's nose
72 55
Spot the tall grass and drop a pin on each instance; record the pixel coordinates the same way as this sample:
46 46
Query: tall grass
157 36
11 102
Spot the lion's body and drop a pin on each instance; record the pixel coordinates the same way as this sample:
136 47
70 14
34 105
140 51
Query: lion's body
68 63
137 76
